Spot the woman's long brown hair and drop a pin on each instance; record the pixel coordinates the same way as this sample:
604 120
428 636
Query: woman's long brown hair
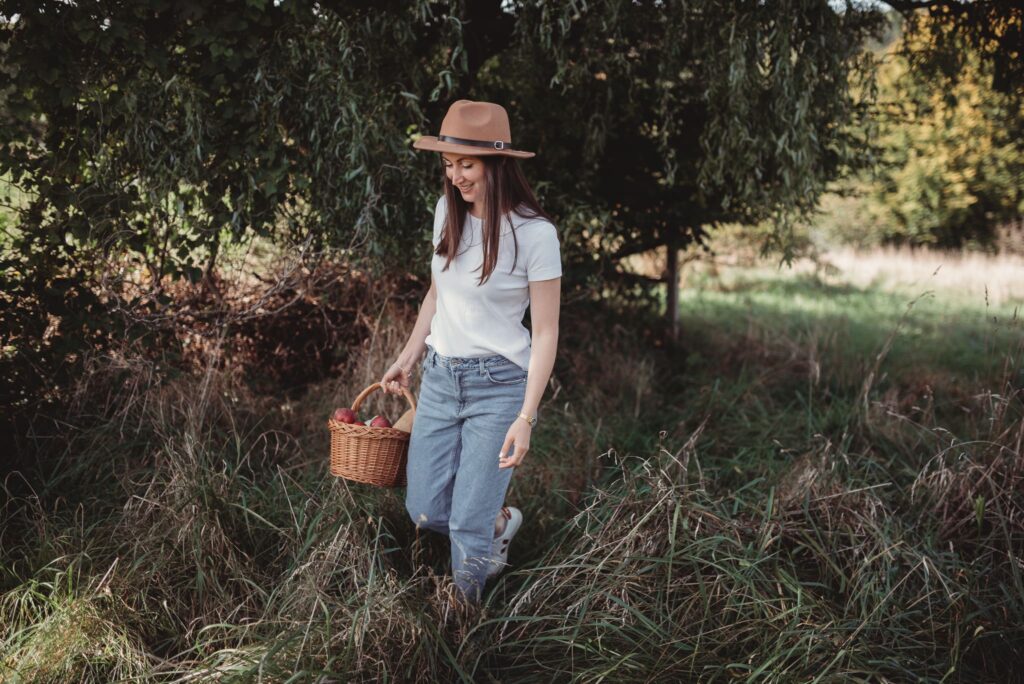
507 190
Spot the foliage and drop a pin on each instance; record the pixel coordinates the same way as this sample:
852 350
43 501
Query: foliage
952 165
162 129
960 32
196 123
149 136
684 115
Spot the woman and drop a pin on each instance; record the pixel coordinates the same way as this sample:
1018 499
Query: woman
495 252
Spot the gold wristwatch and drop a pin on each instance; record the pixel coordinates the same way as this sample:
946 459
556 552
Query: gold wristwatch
532 420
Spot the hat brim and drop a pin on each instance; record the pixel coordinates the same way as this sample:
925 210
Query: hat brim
430 142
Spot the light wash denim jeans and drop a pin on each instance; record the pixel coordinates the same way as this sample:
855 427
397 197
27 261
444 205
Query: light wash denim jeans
464 411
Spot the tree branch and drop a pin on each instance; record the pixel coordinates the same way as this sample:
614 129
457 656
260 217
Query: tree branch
635 277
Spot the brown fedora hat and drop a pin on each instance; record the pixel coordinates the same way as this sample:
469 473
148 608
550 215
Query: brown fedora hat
473 128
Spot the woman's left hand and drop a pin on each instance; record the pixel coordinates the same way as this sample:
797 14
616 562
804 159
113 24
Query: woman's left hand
519 433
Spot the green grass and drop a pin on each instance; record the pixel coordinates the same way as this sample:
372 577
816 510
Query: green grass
790 354
943 331
809 487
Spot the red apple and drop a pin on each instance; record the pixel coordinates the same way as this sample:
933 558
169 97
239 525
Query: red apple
344 415
380 421
359 422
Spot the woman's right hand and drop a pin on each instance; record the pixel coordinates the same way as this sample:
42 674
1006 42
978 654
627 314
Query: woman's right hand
396 379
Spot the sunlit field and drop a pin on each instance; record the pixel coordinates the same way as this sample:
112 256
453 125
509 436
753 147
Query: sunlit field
974 276
954 317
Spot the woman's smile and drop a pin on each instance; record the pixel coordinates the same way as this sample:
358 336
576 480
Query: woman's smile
466 174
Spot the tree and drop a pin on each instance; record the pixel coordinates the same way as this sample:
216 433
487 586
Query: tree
152 131
991 31
952 163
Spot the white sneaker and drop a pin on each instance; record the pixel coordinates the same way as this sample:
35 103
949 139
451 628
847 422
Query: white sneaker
499 547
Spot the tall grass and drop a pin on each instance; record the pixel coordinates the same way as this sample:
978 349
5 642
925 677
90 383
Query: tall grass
758 502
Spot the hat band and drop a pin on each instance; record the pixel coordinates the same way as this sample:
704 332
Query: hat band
492 144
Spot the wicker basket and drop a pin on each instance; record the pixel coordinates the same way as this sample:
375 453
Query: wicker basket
373 455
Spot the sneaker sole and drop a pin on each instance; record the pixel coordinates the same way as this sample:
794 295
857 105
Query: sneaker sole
499 561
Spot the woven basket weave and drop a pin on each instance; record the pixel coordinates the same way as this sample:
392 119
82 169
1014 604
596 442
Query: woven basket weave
373 455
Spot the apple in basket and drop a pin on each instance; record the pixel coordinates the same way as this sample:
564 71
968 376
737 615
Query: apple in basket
378 421
359 422
344 415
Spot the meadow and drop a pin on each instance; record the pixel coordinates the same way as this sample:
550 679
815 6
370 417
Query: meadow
819 480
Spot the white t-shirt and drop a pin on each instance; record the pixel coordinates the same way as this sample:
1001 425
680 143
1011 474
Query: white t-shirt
482 320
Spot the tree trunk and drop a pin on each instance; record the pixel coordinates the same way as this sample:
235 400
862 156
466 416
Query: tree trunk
672 285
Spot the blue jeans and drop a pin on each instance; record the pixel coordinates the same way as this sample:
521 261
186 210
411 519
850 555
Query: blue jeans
464 411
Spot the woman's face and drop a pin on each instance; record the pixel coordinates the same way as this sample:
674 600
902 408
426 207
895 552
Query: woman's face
466 174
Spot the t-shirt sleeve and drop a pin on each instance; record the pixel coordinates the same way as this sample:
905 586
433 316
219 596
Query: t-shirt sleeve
439 215
545 257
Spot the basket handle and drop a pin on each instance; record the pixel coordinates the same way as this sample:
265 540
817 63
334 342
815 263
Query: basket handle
376 386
